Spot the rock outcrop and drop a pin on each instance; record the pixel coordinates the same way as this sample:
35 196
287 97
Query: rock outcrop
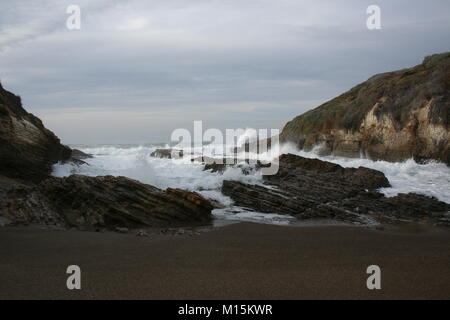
28 195
221 164
392 116
77 157
311 188
90 203
80 155
27 149
167 153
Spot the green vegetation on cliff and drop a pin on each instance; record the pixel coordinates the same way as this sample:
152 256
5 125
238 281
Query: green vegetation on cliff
406 89
395 95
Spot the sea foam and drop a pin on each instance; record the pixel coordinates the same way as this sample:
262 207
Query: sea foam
135 162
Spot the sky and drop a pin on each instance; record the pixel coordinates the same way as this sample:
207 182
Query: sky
137 70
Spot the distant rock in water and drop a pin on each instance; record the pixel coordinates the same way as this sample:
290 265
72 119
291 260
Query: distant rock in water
167 153
90 203
311 188
392 116
27 149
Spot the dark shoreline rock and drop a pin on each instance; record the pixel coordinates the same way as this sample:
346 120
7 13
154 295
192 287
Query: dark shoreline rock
89 203
311 188
80 155
77 157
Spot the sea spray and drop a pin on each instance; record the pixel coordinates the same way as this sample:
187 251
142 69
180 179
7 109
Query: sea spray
134 161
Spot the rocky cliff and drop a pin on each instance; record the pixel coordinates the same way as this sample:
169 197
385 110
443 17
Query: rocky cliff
392 116
27 149
28 195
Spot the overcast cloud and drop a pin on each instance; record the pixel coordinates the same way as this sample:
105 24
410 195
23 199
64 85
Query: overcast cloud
139 69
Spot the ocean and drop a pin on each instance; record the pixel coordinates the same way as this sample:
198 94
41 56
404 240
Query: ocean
134 161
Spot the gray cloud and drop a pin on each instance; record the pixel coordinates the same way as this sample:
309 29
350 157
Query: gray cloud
137 69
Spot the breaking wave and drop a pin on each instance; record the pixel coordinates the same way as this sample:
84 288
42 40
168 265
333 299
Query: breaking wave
135 162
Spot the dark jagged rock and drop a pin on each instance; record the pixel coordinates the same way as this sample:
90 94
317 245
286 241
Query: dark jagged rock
7 184
27 149
392 116
263 199
411 206
214 164
311 188
215 167
77 157
167 153
304 172
192 197
221 164
80 155
103 202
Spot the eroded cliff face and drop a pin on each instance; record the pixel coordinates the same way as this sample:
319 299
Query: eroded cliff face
392 116
27 148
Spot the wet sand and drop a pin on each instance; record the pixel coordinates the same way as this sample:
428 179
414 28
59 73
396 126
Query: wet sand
239 261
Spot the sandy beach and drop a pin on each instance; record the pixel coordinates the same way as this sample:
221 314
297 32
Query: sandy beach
239 261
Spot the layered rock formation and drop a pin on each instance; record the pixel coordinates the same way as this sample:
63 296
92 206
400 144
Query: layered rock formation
103 202
311 188
28 195
27 149
392 116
